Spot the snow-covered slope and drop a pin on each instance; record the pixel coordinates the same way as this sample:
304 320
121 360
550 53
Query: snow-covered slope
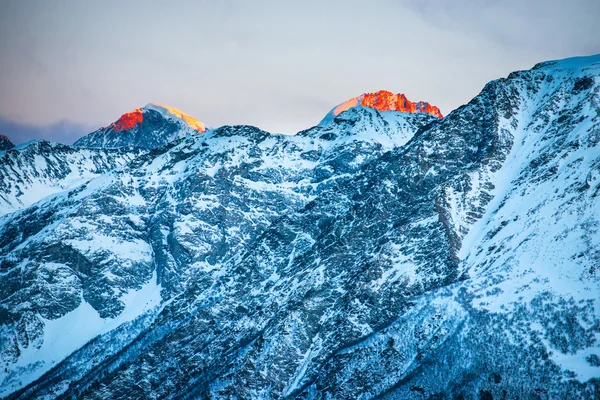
148 127
380 254
34 170
524 320
171 219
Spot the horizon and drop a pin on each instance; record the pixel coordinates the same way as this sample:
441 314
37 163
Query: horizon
70 69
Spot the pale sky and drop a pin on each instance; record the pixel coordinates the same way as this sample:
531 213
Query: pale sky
69 67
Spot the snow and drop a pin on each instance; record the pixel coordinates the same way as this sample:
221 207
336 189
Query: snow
315 348
577 362
64 335
25 145
572 64
175 114
130 250
550 227
28 175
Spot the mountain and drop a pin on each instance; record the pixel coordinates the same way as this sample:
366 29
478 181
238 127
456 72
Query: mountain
381 254
383 100
5 143
148 127
234 181
34 170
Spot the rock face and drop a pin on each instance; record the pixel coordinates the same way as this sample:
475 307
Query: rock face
5 143
383 254
383 101
148 127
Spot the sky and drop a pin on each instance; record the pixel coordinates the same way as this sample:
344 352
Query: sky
69 67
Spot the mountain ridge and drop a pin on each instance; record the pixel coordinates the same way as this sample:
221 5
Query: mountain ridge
383 254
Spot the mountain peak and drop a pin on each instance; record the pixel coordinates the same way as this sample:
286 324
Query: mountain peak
5 143
170 112
150 126
131 119
384 100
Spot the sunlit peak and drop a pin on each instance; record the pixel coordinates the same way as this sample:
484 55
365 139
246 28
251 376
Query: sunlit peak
384 100
191 121
129 120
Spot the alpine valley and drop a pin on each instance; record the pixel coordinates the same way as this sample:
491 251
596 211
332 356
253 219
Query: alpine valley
387 252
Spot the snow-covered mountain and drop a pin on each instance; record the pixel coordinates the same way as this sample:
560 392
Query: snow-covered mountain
34 170
148 127
234 180
379 254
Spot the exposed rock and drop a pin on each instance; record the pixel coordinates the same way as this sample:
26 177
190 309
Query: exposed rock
384 254
5 143
148 127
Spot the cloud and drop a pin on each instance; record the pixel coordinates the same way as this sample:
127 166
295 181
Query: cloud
277 65
542 26
63 131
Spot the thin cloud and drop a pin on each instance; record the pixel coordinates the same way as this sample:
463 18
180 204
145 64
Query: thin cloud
63 131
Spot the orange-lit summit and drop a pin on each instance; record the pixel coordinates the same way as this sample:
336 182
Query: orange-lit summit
384 100
131 119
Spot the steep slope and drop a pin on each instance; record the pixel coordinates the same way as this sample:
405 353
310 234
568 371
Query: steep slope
525 323
5 143
383 101
34 170
169 222
148 127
